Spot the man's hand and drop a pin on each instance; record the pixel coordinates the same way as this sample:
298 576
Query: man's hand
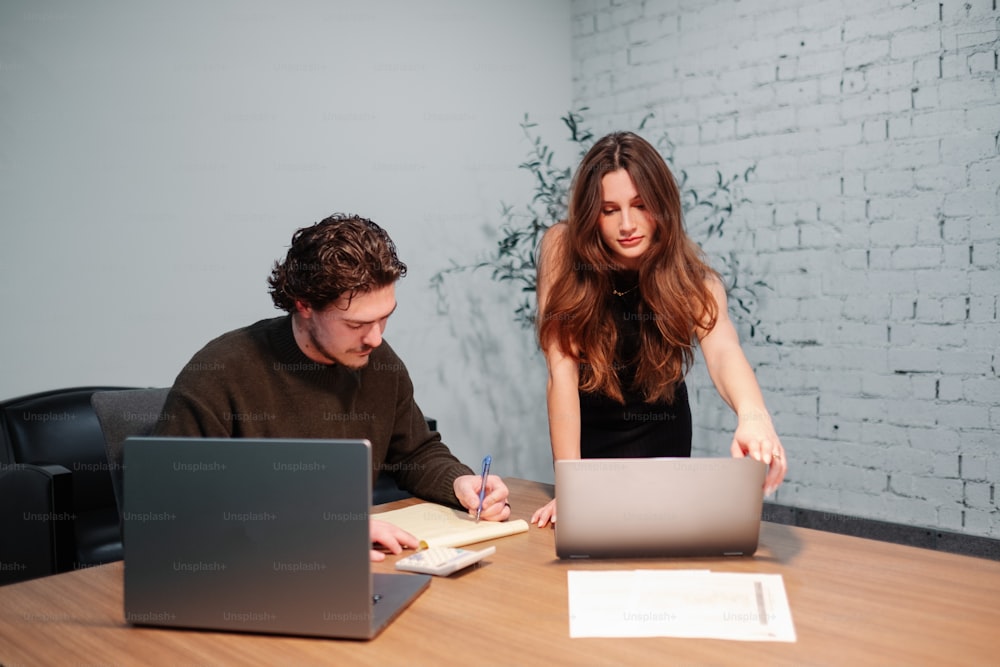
390 538
495 507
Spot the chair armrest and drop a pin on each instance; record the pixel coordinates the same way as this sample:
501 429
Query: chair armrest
36 521
385 490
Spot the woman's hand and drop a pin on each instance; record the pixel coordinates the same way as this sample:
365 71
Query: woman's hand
755 437
543 515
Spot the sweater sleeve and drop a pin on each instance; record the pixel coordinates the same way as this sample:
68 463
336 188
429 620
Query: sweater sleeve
199 398
185 416
417 459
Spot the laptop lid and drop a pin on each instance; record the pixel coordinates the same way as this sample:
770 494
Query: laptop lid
661 507
268 536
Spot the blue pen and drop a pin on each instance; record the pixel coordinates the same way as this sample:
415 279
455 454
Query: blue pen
482 489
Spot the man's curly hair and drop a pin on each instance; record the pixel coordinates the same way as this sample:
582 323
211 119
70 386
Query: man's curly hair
341 255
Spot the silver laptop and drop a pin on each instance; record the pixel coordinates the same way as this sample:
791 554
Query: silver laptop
655 508
264 536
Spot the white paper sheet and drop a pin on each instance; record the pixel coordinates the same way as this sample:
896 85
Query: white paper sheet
679 603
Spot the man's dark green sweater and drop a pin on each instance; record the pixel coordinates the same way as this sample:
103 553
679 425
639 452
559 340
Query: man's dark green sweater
255 382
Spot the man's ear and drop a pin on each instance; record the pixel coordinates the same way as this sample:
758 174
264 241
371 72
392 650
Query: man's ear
303 308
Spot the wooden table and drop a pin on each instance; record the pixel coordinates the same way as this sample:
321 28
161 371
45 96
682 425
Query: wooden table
854 601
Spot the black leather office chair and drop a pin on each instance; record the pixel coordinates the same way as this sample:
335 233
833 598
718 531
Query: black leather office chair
60 476
57 504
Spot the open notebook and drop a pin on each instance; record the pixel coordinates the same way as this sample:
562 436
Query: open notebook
439 526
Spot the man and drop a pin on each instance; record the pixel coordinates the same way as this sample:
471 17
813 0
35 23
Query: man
324 371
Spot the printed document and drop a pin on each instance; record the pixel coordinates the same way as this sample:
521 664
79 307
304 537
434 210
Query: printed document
679 603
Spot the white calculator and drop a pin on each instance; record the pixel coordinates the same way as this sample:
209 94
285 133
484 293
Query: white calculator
442 561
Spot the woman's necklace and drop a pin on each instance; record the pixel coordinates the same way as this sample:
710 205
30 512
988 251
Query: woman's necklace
631 289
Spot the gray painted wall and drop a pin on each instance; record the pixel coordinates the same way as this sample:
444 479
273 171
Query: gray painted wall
155 159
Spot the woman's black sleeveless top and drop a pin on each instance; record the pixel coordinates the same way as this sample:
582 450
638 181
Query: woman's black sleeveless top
636 429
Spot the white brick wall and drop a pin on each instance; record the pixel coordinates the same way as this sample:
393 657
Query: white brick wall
874 215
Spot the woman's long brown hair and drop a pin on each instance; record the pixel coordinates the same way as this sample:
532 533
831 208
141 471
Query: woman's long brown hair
675 301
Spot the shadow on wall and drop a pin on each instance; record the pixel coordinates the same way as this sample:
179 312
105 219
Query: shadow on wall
499 378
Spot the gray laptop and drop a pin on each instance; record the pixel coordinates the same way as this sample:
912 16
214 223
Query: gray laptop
655 508
264 536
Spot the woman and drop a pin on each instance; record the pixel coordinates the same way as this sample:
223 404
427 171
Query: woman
623 294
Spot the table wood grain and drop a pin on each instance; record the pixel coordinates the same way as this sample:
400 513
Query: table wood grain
854 601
